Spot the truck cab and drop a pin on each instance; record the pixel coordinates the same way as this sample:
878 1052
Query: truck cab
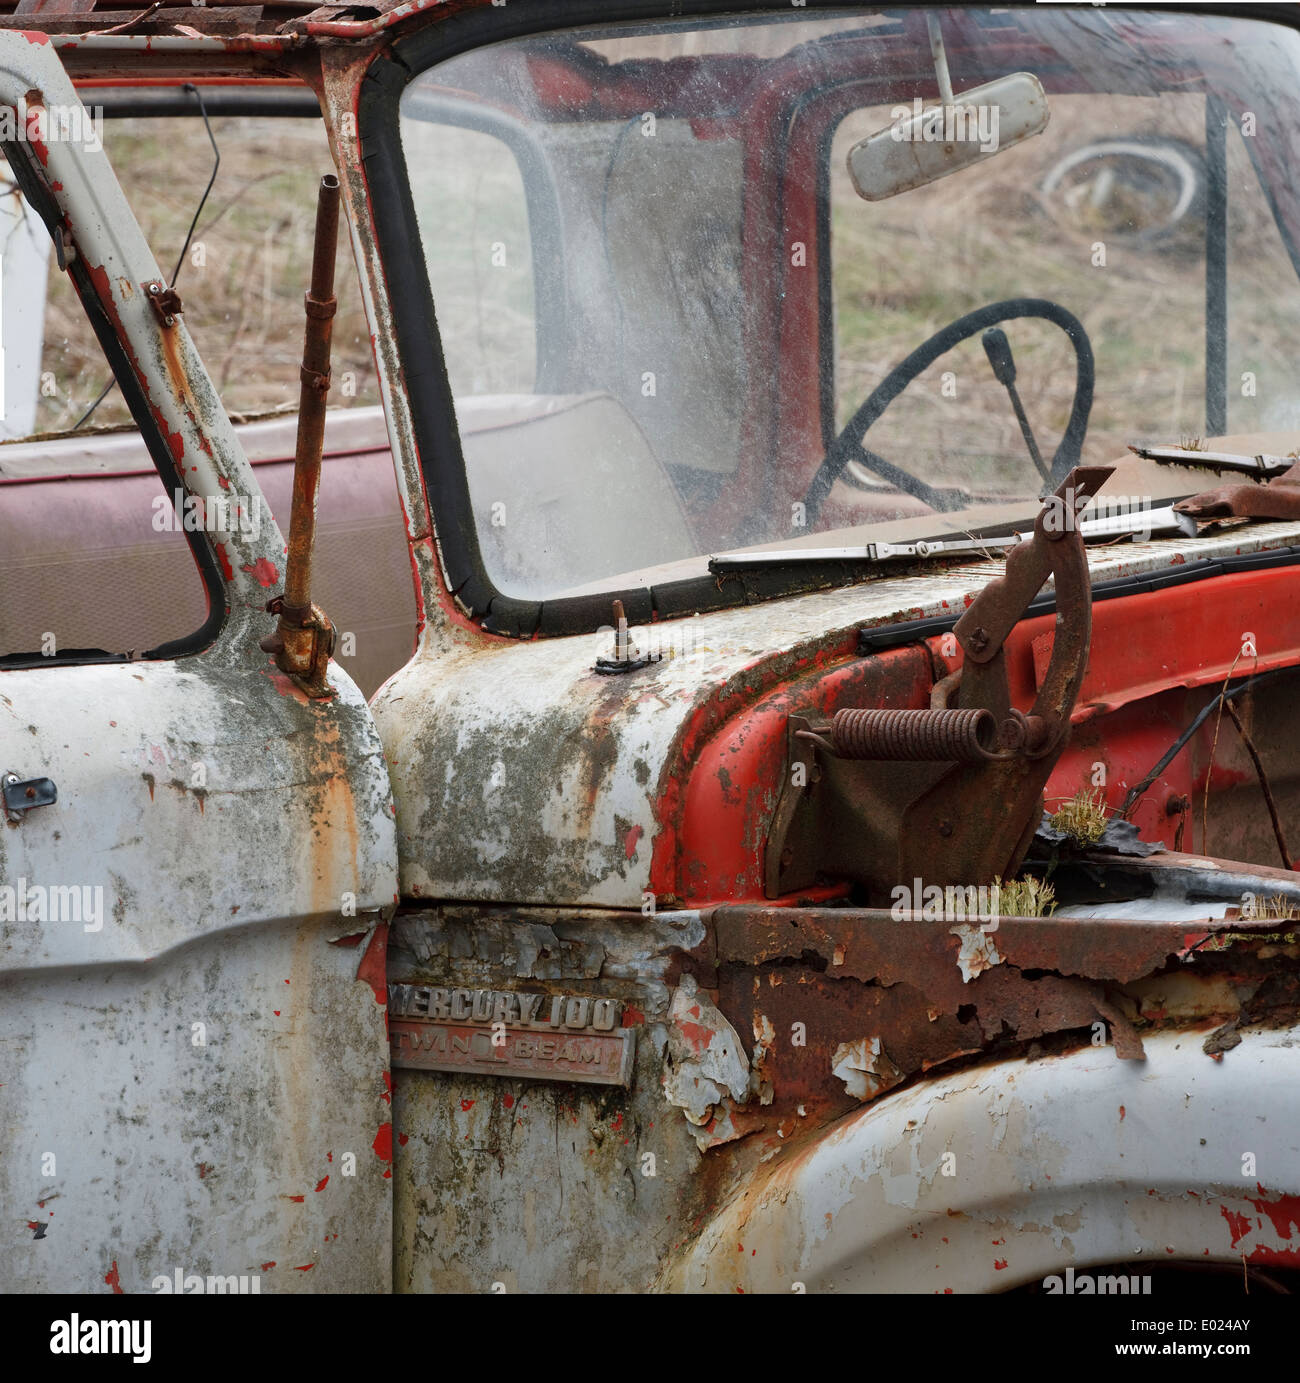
803 795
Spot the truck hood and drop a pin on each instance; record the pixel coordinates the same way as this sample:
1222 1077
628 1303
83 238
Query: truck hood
521 775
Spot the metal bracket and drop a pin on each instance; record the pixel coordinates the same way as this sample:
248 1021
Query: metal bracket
301 646
22 795
1277 499
950 796
166 302
64 250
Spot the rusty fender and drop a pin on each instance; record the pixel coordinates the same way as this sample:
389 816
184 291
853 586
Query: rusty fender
1176 1138
762 1032
1005 1173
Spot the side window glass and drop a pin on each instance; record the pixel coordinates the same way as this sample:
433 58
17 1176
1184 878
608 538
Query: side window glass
473 214
1263 307
92 554
92 558
1091 214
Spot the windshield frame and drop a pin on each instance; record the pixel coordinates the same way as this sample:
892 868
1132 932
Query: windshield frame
436 430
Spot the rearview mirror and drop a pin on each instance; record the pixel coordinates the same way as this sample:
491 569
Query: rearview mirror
930 142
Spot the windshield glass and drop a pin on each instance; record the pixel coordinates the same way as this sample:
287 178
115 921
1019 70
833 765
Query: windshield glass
661 300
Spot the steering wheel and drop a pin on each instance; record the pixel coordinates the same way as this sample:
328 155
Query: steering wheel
848 446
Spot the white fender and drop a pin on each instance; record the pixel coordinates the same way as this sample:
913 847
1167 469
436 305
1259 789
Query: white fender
1006 1173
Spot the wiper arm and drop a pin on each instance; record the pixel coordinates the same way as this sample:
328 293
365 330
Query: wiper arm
1263 466
870 552
1146 522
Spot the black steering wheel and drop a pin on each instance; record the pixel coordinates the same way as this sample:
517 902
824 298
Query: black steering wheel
848 446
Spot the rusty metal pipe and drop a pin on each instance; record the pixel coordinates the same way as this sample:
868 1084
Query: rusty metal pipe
320 306
304 638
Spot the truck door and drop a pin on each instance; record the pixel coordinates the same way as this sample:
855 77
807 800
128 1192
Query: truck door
197 861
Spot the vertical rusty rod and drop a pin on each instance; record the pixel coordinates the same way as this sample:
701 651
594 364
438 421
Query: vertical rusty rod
320 306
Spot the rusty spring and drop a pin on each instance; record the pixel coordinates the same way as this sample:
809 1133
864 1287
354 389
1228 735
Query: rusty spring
944 736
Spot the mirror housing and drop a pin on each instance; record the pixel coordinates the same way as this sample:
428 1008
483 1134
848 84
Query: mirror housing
930 142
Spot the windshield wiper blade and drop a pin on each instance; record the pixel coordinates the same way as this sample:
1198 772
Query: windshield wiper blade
869 552
1264 466
1144 523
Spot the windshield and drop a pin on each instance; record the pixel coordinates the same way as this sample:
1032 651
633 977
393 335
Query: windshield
662 303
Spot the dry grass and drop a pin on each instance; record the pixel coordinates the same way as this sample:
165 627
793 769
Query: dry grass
1082 818
1027 897
1276 908
906 267
243 302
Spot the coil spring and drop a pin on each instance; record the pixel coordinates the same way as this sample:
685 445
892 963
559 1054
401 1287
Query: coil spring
942 736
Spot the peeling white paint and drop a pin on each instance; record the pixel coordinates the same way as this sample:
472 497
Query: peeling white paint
865 1068
704 1063
978 952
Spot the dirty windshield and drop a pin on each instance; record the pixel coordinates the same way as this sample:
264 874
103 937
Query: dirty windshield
703 286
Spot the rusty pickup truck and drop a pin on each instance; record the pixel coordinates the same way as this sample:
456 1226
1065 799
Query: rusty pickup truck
765 755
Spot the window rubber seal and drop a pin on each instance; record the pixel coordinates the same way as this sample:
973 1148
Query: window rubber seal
205 558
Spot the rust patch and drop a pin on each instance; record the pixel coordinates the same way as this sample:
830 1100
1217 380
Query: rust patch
891 1002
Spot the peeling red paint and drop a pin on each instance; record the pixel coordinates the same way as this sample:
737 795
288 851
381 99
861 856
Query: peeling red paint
403 1138
466 1106
1238 1225
111 1277
266 1267
322 1183
298 1199
1282 1258
1283 1211
697 1034
629 844
263 571
999 1264
383 1144
373 969
508 1101
227 571
1121 1114
304 1267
